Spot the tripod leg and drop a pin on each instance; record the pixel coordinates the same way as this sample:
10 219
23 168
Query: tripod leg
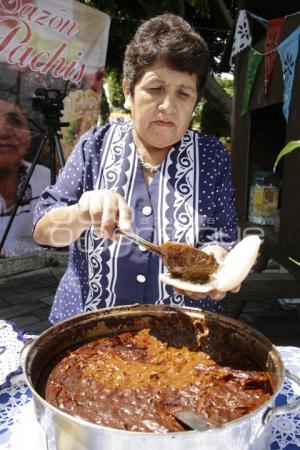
26 182
59 151
52 161
55 148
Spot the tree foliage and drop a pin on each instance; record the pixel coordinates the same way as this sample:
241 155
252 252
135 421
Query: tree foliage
114 81
206 16
213 121
210 118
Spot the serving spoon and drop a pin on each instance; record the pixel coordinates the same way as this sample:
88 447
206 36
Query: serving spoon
194 421
140 241
182 260
190 269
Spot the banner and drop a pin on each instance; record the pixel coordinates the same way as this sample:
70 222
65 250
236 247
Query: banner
242 36
271 41
52 58
54 45
288 51
65 40
254 61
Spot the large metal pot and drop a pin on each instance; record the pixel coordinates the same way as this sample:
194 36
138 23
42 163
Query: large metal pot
65 432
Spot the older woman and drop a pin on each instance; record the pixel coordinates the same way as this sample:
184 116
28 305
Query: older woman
15 140
155 175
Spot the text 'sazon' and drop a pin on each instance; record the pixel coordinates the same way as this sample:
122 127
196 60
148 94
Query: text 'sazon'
18 20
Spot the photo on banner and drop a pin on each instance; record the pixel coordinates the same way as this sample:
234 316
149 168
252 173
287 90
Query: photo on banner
52 59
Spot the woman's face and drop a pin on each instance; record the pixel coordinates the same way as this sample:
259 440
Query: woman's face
162 105
15 135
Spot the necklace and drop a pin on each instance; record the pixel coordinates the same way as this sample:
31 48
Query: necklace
146 166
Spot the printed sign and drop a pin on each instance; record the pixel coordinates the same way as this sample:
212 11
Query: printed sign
52 59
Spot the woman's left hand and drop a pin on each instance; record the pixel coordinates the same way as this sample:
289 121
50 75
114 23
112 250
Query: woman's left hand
214 295
219 253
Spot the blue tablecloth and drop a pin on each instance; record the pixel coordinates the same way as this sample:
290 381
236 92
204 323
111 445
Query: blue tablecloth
20 430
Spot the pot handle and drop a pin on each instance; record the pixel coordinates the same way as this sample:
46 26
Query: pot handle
270 412
23 353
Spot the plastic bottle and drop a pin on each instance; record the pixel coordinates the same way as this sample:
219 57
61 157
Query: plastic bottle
263 201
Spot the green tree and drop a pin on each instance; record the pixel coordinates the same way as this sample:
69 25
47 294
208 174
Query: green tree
212 18
104 109
213 120
210 117
114 81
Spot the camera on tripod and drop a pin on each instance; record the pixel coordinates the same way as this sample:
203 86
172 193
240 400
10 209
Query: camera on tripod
45 100
50 103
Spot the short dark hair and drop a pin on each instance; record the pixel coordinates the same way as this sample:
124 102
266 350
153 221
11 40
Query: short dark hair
169 38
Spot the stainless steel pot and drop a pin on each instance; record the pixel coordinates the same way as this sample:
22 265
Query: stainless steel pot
65 432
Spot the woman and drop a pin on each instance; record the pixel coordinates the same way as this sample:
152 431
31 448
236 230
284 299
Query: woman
15 140
155 175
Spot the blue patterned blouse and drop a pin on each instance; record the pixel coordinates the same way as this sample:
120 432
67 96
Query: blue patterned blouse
190 199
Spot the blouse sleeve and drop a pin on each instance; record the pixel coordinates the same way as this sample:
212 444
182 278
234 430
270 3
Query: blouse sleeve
224 223
78 175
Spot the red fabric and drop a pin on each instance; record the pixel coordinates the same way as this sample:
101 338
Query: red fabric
271 41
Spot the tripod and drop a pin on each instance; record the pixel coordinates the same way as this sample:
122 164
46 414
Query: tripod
52 121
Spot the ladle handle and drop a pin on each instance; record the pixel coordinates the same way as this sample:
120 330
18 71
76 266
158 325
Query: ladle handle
138 240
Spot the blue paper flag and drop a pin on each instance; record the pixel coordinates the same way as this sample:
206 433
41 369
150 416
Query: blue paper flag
288 51
262 21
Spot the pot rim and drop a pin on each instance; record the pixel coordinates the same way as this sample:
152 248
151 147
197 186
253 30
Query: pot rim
105 312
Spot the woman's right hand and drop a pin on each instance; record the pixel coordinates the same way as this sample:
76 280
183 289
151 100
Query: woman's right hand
103 210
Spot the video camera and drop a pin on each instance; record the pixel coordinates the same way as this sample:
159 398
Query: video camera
50 103
46 100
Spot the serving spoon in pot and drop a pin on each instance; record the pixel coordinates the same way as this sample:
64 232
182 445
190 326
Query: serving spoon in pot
193 421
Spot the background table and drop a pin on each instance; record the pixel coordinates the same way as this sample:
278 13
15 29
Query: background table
20 430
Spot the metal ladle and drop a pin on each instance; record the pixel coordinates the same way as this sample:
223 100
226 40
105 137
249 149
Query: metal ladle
182 260
194 421
140 241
